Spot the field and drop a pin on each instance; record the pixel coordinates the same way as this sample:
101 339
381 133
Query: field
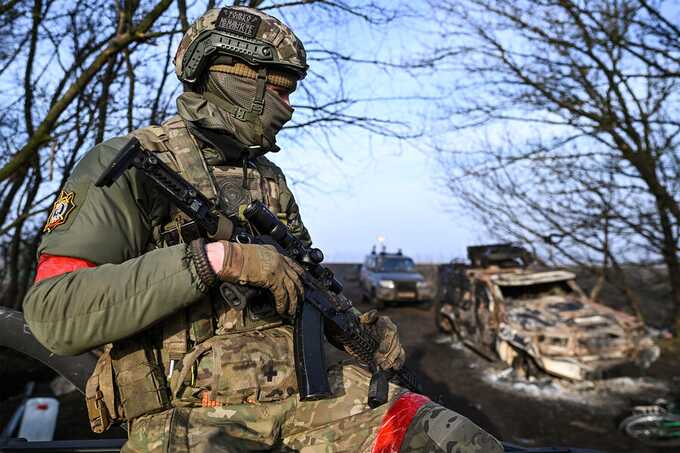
532 414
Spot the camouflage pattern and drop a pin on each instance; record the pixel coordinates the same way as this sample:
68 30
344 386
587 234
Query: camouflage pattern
390 354
341 424
438 429
223 182
234 369
235 391
287 51
246 371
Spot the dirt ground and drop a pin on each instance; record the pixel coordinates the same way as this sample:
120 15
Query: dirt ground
546 413
531 414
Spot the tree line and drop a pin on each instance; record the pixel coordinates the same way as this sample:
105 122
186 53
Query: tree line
555 122
575 110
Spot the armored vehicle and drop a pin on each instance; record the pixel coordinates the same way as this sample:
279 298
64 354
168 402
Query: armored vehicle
502 306
392 277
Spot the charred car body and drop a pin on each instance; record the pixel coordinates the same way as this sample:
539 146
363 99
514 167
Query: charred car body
536 320
392 277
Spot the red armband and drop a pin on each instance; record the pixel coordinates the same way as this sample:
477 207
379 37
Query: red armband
396 422
53 265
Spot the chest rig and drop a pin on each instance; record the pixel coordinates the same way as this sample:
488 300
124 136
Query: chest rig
230 186
142 374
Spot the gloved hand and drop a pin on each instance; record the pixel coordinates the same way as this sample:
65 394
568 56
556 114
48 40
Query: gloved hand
263 266
390 354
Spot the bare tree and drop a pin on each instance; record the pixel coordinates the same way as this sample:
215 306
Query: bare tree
73 73
59 64
579 104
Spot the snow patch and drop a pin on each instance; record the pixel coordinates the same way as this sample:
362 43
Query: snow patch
585 392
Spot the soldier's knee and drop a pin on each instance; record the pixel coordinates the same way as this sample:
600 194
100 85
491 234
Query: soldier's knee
415 424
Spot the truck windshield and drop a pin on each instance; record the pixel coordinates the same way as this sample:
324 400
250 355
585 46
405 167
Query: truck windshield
536 290
397 265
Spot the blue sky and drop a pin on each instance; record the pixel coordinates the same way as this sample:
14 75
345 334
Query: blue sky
395 195
377 186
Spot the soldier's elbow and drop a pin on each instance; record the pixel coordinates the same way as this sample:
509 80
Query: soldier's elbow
64 348
47 329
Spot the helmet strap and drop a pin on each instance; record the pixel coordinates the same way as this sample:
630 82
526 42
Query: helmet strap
260 89
257 107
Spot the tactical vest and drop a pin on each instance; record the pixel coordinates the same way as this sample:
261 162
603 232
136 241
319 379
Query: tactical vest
207 344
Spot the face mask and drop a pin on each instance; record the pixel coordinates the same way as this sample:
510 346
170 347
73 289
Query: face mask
232 91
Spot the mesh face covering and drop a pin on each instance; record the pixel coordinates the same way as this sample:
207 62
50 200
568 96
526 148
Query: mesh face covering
234 89
225 108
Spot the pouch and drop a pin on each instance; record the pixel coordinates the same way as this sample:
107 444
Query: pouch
239 368
100 395
140 379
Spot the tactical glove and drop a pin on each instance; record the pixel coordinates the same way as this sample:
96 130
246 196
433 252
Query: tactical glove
390 354
265 267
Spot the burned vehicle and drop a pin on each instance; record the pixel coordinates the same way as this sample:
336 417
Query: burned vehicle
392 277
538 321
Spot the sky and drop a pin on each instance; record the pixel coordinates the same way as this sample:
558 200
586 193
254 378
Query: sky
369 186
383 193
376 186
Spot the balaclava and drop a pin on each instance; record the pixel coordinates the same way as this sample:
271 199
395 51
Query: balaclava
235 102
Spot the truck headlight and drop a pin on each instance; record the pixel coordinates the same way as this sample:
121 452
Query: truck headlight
423 285
388 284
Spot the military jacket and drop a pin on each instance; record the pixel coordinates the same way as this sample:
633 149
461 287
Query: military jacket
143 292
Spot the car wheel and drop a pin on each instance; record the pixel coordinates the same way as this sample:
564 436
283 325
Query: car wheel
379 304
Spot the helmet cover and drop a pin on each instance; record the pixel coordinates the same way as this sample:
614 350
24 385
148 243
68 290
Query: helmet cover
247 34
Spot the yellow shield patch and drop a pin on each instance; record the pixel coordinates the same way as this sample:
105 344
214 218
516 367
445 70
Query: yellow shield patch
60 211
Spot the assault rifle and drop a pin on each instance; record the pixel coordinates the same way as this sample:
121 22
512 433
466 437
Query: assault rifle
325 311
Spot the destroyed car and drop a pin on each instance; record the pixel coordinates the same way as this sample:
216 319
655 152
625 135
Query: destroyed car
536 320
392 277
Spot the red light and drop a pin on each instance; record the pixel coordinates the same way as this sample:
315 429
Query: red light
42 406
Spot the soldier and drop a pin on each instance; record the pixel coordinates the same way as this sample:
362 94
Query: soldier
121 267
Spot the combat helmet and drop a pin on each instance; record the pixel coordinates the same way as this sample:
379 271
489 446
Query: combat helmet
243 33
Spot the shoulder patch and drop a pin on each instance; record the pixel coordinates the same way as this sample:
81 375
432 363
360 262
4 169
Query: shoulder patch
60 211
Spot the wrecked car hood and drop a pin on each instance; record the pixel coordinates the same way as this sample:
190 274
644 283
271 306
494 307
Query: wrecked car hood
572 326
531 278
569 313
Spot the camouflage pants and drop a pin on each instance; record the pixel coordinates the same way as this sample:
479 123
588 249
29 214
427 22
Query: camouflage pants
340 424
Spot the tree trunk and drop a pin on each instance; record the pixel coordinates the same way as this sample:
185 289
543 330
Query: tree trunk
670 255
674 278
